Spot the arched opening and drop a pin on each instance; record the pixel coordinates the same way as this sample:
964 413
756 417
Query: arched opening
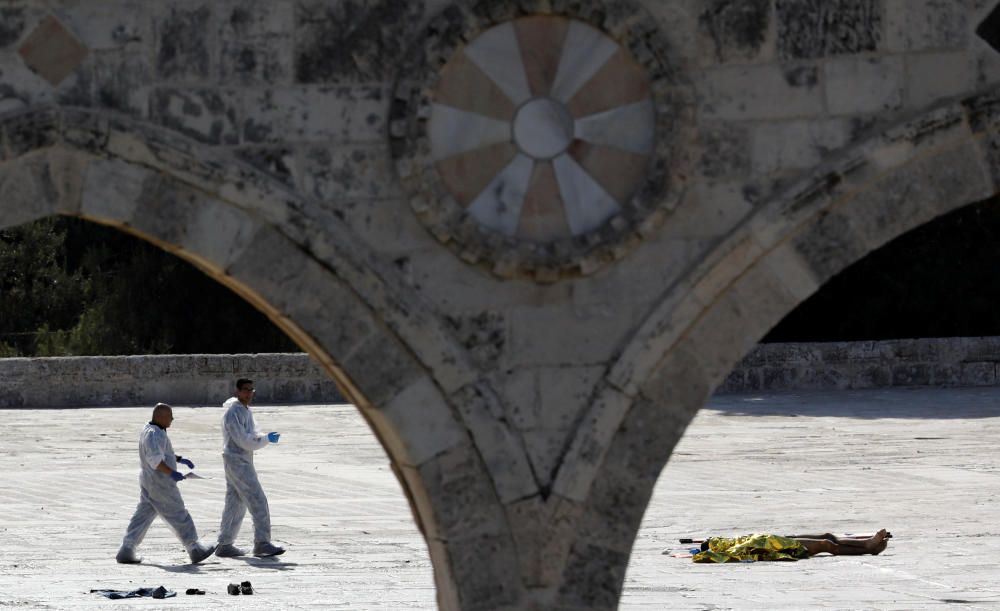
71 485
849 206
941 279
813 461
76 288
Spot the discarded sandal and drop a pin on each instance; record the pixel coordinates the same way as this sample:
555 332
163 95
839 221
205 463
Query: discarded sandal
194 591
246 588
233 588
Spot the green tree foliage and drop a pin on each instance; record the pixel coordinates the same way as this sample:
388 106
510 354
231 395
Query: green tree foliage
939 280
70 287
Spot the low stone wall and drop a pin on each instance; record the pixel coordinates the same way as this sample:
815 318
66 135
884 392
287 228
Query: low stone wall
195 379
207 379
951 361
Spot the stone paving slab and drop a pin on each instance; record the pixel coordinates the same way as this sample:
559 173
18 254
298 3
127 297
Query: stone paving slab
922 463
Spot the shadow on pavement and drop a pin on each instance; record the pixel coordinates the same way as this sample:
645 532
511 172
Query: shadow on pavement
272 563
931 403
209 566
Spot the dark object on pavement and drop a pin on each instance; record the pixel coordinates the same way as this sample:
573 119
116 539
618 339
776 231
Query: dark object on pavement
159 592
246 588
193 591
233 589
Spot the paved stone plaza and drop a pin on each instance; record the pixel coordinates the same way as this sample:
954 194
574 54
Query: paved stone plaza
921 463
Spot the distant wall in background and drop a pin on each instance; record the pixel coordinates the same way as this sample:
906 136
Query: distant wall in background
207 379
950 361
194 379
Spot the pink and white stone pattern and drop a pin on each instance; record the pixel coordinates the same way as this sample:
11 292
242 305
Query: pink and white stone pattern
541 128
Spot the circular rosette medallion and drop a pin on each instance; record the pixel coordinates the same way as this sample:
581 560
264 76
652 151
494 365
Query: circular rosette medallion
541 128
541 133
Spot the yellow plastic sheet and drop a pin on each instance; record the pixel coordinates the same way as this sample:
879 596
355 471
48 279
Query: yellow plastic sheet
758 546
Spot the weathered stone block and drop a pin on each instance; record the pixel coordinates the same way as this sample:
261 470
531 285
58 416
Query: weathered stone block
870 376
461 502
538 337
725 150
217 234
761 92
929 187
931 77
31 131
737 29
777 147
519 388
277 162
864 85
783 262
978 374
66 171
380 368
122 82
112 190
593 578
12 25
816 28
182 39
165 209
483 335
822 378
110 24
911 375
417 424
482 567
27 192
207 115
328 311
352 42
20 88
946 375
919 25
334 174
563 394
543 532
830 244
320 115
500 446
256 43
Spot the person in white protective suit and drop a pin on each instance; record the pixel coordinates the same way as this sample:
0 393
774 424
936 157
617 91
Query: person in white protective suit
240 438
158 493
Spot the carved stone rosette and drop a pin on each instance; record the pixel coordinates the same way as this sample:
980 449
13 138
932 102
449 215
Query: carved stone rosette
541 139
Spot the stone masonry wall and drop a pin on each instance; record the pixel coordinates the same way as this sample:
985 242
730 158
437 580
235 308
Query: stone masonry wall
950 361
196 379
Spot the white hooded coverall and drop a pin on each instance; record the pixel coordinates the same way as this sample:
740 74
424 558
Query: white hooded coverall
240 438
158 493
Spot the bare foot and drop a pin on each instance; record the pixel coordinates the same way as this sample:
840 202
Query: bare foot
880 547
878 542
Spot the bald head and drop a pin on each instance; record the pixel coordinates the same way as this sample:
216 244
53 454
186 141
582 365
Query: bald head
163 415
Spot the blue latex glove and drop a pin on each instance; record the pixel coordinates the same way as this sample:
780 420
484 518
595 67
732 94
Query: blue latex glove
273 437
176 476
185 461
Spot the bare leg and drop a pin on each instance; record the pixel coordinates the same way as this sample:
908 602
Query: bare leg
843 546
833 537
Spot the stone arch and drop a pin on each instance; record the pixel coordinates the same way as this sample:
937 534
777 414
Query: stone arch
852 204
386 354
